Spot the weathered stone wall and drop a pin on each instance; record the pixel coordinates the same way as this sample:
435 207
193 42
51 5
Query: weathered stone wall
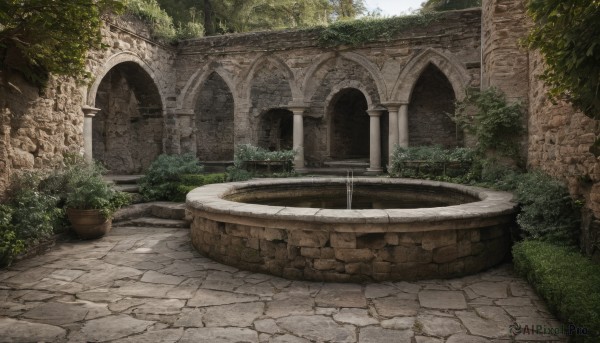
559 144
36 127
268 70
559 138
214 121
430 122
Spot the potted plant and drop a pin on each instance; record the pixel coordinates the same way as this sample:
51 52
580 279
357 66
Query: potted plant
90 202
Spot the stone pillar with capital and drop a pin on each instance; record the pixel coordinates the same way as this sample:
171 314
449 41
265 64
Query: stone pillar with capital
375 140
89 113
393 128
403 126
298 144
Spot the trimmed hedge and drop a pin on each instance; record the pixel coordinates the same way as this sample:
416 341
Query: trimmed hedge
568 282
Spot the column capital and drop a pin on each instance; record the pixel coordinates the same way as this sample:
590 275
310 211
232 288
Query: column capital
297 110
394 106
376 112
89 111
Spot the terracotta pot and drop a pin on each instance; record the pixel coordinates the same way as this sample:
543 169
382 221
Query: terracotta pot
89 224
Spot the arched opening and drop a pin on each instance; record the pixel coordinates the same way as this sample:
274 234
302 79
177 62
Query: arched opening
348 125
127 134
276 130
432 102
214 120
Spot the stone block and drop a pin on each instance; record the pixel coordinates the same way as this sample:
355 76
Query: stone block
274 234
267 248
354 255
343 240
382 267
253 243
492 232
391 238
410 253
302 238
298 262
325 264
371 241
292 273
436 239
327 253
410 237
310 252
445 254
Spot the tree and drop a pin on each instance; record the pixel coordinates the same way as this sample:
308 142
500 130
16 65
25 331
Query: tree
448 5
567 33
38 37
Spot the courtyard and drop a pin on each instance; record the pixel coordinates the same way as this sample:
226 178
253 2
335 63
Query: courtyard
144 284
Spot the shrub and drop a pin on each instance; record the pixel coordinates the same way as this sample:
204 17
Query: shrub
189 182
548 212
568 282
236 174
496 124
164 175
248 152
431 162
10 244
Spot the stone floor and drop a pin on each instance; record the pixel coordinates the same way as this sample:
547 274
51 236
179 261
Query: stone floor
149 285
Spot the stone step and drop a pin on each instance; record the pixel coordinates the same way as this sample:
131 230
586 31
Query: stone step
155 222
168 210
215 166
123 179
334 171
127 188
347 164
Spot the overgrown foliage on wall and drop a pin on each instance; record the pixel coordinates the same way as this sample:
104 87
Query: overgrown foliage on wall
448 5
161 22
361 31
496 124
38 37
567 33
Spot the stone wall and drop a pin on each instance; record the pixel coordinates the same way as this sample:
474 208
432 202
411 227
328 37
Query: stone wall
559 144
270 70
37 127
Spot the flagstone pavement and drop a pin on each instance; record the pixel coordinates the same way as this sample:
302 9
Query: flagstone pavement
150 285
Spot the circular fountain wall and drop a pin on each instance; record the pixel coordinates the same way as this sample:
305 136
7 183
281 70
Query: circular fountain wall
405 230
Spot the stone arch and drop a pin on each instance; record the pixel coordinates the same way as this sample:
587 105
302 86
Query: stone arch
281 65
269 84
189 94
214 112
431 103
348 123
454 71
347 84
276 129
309 87
128 131
115 60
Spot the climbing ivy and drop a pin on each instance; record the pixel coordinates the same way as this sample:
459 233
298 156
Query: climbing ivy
357 32
496 124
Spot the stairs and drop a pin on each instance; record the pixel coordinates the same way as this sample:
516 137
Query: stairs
153 214
127 184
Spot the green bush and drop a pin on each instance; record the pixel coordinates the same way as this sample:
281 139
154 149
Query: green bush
568 282
164 176
237 174
248 152
10 244
548 212
434 162
497 125
189 182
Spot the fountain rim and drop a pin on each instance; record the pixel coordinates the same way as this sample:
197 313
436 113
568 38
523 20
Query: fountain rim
209 199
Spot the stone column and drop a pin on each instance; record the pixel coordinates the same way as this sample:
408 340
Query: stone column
375 141
403 126
88 115
393 128
185 131
298 137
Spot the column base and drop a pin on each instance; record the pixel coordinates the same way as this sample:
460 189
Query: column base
374 171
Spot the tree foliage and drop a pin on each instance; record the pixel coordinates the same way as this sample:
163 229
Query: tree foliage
448 5
567 33
38 37
228 16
